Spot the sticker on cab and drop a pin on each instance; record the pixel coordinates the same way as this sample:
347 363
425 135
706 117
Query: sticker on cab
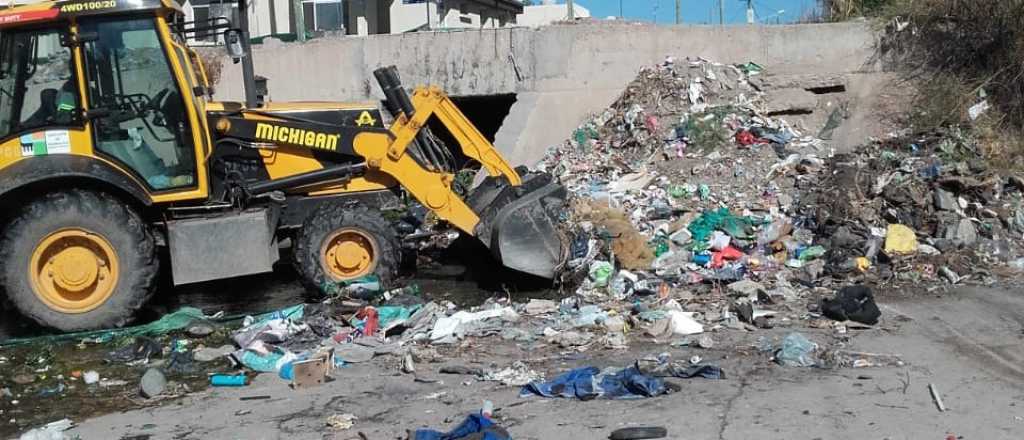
46 142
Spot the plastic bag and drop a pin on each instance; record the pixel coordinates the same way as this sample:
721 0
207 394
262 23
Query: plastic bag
796 351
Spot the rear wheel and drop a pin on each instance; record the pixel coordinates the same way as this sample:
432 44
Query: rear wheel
78 260
340 243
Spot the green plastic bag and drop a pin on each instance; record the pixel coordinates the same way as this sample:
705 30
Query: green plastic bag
722 220
600 273
812 253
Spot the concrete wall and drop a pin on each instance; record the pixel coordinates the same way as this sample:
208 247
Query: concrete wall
561 73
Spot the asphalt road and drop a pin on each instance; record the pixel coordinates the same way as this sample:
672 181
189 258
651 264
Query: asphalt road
966 342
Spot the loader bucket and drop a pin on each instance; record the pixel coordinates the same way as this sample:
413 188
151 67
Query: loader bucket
519 224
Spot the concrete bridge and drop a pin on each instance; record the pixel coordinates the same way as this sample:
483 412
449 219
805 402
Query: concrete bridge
559 74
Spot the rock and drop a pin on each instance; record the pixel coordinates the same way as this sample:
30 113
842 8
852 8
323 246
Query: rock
746 288
944 200
705 341
153 383
200 330
782 294
944 245
24 379
965 234
208 354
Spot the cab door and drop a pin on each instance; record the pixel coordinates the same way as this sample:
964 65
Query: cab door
140 105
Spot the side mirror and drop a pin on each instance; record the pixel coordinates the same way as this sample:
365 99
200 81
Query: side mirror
233 43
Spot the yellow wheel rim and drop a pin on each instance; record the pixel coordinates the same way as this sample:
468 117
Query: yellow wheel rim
73 270
348 254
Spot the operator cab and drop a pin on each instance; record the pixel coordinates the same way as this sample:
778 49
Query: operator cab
109 79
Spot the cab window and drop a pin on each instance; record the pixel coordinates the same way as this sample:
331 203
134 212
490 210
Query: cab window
143 121
37 87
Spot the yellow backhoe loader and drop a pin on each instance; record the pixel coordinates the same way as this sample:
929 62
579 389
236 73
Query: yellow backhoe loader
114 158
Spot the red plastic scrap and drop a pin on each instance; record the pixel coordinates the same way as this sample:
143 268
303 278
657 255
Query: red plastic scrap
729 253
746 138
651 122
370 320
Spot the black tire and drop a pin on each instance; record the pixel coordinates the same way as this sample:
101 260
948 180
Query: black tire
97 213
332 217
639 433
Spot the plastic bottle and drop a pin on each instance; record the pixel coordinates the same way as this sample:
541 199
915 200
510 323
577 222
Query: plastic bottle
488 409
229 380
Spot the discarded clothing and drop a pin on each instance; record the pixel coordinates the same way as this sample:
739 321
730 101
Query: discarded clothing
852 303
680 370
469 429
590 383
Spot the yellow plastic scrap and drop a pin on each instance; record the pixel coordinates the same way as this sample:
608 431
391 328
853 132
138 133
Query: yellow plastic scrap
900 240
863 264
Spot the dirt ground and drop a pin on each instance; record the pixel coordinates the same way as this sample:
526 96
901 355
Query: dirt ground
967 342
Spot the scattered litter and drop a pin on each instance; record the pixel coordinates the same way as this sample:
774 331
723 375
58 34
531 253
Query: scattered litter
341 422
796 351
852 303
590 383
937 397
52 431
476 426
229 380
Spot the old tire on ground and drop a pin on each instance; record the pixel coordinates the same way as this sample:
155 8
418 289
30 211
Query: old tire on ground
341 243
639 433
78 260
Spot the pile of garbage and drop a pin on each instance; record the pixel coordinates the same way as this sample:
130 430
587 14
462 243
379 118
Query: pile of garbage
685 186
920 208
692 203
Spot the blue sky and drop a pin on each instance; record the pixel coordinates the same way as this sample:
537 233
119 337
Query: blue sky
697 11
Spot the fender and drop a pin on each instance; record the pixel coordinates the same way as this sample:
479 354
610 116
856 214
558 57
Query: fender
40 169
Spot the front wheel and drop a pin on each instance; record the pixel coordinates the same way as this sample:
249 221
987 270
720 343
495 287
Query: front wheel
339 244
78 260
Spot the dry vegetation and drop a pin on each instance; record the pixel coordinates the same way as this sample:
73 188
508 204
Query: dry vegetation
960 53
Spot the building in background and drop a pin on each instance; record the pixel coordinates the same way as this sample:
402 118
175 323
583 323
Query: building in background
549 12
365 17
359 17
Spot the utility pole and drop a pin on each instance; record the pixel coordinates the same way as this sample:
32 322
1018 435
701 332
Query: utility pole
572 11
721 12
620 9
300 21
679 18
750 11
